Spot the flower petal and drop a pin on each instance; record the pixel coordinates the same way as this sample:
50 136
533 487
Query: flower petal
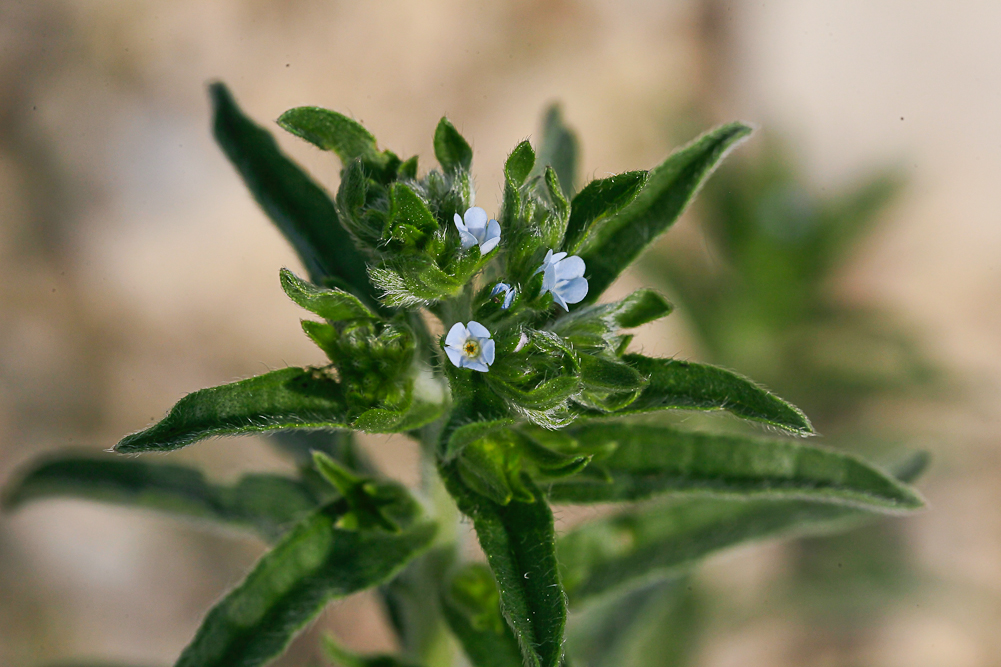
457 335
477 366
489 244
508 298
500 287
557 257
455 356
459 224
487 351
570 268
548 279
475 219
477 329
573 291
493 229
559 299
468 240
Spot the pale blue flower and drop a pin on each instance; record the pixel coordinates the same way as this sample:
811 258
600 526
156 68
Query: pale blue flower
470 346
474 228
564 277
508 291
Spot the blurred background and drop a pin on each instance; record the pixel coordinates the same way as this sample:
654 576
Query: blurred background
849 257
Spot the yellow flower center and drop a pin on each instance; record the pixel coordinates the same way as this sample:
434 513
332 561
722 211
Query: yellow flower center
471 348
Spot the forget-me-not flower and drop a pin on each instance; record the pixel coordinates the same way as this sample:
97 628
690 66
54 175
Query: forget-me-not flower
470 346
474 228
564 277
508 291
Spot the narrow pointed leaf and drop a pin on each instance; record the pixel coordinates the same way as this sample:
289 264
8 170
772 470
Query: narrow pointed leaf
608 374
613 244
676 384
518 540
600 199
265 503
286 398
558 149
471 605
333 305
519 163
312 565
335 132
650 460
451 150
652 542
299 207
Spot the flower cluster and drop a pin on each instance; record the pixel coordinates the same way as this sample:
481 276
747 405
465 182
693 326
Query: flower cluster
471 346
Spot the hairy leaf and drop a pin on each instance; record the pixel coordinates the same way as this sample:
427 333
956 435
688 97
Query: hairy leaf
519 164
335 132
471 605
651 542
312 565
612 245
518 540
453 152
333 305
282 399
298 206
657 459
676 384
265 503
598 200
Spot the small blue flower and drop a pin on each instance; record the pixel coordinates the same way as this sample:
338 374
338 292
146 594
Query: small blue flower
470 346
477 229
564 277
508 291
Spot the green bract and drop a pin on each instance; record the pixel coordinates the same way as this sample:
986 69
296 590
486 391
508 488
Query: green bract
525 401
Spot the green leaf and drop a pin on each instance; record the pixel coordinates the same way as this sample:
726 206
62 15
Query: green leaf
657 459
282 399
519 164
453 152
333 305
608 374
298 206
598 200
335 132
312 565
338 655
471 605
367 508
558 149
518 540
611 246
265 503
408 210
286 398
597 327
676 384
652 542
640 307
471 432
